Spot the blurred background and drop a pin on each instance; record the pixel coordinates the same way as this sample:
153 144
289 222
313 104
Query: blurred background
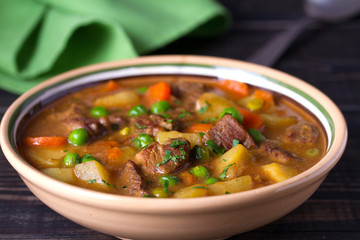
325 55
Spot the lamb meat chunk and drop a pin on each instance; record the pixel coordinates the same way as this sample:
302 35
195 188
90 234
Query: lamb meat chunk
75 117
164 158
151 124
188 92
226 130
302 132
277 154
131 181
162 122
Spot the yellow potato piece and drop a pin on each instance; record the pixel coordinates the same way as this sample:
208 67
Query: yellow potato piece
235 160
193 138
120 99
45 157
273 121
232 186
62 174
198 190
93 173
278 172
217 105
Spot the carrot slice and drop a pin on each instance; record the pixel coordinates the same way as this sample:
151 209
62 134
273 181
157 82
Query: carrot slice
198 127
267 97
187 178
233 88
159 91
111 86
114 153
251 120
46 141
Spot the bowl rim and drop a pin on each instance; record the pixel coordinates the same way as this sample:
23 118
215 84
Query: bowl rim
164 206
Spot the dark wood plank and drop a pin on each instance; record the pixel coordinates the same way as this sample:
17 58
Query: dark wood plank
327 56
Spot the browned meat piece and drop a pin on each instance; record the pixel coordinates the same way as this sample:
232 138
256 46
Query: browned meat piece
150 125
163 158
226 130
188 92
302 132
75 117
130 181
277 154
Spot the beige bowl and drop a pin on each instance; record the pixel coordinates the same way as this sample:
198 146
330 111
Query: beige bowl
199 218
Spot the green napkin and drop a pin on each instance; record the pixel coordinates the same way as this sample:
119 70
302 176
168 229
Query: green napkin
42 38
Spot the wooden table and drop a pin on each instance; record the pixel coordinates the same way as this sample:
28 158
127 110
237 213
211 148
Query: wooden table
326 56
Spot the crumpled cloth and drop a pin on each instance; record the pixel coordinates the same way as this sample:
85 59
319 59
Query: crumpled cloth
42 38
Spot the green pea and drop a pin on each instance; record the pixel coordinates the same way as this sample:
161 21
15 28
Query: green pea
255 104
160 107
87 157
313 152
255 134
211 180
160 193
78 137
71 159
200 171
98 112
143 140
172 180
137 110
233 112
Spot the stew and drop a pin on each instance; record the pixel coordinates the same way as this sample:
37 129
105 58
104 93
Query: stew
173 136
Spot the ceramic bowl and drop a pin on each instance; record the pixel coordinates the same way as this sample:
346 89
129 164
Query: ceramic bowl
212 217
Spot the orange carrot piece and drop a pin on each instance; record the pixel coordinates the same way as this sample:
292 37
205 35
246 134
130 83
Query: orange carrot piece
46 141
198 127
159 91
234 88
114 153
251 120
111 86
187 178
267 97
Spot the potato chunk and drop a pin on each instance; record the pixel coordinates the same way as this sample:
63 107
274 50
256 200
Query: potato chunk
193 138
93 173
232 186
278 172
214 103
45 157
62 174
198 190
120 99
231 164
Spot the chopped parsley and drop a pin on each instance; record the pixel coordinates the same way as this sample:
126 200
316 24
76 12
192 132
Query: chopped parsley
235 142
110 185
139 126
177 143
147 196
223 174
205 108
210 120
215 148
142 89
166 186
183 113
165 115
169 120
224 160
92 181
227 192
200 187
65 150
174 158
124 186
201 134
